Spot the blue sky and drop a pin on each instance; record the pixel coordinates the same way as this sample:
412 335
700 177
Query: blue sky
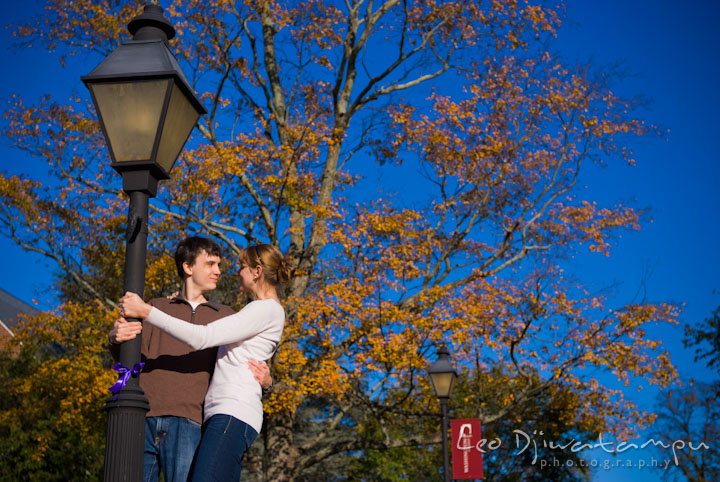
671 48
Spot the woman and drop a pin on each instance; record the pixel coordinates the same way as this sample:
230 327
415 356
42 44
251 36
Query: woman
233 406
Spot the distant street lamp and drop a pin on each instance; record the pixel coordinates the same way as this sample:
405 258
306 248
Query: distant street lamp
442 376
147 111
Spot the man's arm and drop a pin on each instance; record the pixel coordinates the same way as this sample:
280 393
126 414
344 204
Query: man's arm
261 372
122 330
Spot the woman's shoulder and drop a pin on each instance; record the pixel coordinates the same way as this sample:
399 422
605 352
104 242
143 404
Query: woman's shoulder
268 304
269 310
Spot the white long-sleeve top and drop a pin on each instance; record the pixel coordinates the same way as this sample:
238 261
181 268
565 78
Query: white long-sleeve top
253 333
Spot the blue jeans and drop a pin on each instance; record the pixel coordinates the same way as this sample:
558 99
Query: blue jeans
170 445
225 440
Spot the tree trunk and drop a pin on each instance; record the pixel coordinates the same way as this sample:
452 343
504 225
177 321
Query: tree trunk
280 459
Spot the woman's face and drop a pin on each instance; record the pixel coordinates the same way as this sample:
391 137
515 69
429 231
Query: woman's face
247 277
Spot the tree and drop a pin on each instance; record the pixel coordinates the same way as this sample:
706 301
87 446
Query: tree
52 420
688 422
706 332
550 416
308 99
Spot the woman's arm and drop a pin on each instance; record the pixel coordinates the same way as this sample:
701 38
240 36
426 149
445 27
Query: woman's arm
249 321
244 324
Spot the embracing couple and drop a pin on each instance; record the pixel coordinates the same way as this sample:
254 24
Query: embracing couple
204 363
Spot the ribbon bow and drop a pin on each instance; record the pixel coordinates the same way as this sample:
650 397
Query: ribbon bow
125 374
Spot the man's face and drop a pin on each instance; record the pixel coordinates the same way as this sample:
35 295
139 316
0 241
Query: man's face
204 272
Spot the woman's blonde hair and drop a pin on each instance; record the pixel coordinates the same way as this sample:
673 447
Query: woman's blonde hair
276 268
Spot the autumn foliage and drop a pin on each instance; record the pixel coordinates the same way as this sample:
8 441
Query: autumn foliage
484 134
54 387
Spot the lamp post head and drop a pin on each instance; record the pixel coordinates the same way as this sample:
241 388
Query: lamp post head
144 102
151 25
442 373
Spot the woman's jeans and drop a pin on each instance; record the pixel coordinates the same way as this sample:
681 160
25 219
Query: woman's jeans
170 444
225 440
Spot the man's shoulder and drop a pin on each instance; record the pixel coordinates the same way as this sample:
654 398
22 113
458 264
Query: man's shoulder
210 311
178 303
159 303
174 307
224 310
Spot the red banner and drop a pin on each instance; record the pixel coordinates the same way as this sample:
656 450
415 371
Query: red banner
467 460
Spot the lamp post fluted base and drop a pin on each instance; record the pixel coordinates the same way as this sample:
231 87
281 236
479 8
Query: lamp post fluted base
126 430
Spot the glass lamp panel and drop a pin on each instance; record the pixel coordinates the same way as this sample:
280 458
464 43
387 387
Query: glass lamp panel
179 121
442 383
130 112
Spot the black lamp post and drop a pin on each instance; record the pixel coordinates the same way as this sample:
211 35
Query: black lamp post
147 111
442 376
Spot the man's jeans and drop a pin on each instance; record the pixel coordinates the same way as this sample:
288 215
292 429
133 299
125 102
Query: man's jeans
225 440
170 445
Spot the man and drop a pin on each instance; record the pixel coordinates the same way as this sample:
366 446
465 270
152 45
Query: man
175 378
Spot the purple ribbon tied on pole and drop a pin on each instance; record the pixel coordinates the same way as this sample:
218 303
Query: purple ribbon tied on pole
125 374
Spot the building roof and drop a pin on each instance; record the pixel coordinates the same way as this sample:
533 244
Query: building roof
10 308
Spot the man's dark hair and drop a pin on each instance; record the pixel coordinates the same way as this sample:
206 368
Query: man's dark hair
189 248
